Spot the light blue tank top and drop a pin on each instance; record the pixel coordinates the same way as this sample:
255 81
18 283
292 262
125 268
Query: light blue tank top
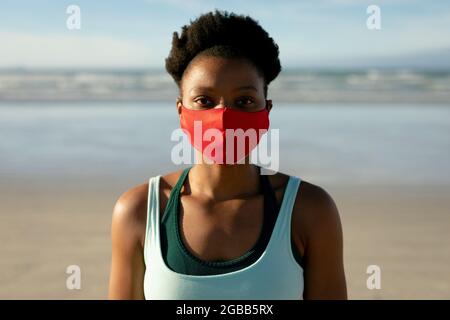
275 275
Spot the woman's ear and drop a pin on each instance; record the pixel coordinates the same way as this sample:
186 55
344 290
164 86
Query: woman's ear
179 103
269 105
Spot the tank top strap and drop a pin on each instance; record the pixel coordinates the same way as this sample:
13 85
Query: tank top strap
281 235
175 195
151 232
181 179
269 193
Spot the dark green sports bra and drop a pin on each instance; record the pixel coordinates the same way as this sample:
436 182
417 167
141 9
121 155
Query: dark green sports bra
179 259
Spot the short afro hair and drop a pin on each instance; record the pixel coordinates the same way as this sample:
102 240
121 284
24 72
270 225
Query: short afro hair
226 35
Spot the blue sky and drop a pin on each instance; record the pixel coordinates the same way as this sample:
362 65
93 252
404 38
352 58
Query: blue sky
137 33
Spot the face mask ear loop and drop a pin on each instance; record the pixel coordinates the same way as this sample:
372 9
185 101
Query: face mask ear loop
267 106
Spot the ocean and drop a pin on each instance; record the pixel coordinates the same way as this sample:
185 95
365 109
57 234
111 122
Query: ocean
292 85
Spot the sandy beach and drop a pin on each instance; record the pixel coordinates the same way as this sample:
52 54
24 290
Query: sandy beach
48 225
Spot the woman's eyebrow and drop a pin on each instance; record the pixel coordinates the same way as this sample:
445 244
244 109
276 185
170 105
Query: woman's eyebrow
202 89
246 88
211 89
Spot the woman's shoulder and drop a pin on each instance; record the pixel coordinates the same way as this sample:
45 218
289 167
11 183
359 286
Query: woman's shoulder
315 213
315 217
309 195
129 213
130 209
132 204
133 200
136 197
314 200
311 199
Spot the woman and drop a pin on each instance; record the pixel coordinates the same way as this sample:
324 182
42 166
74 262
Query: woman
220 230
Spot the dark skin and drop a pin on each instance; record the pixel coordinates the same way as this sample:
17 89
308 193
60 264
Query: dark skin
222 205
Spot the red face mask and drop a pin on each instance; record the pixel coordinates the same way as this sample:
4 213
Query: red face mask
224 135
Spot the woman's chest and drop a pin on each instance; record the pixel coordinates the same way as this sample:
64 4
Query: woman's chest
222 230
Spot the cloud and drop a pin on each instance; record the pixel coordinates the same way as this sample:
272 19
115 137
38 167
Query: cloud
59 50
182 5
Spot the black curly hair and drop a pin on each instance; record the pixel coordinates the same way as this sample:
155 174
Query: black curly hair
226 35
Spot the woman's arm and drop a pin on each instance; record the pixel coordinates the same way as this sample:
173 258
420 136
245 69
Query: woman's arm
127 264
324 275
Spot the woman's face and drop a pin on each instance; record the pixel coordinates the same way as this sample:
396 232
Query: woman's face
215 82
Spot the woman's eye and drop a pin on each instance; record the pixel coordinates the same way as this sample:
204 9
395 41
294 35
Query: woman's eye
246 101
202 101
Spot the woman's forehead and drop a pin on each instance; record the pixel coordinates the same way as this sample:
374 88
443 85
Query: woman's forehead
195 89
209 73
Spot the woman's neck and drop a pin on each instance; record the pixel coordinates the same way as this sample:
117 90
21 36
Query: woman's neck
221 182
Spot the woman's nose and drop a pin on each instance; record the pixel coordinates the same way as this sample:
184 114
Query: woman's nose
223 104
